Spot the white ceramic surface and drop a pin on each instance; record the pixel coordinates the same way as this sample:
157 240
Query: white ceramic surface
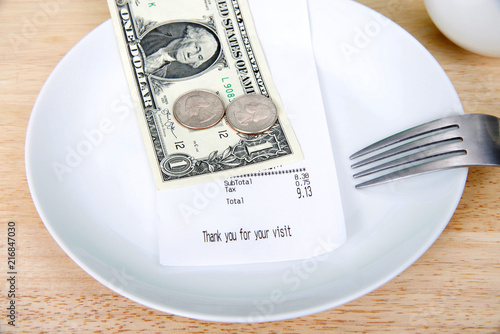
472 24
97 198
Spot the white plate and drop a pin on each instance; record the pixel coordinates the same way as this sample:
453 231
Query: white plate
100 207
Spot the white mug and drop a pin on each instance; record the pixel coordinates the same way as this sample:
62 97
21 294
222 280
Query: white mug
472 24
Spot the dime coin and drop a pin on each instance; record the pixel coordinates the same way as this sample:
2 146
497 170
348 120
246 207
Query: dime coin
251 114
198 109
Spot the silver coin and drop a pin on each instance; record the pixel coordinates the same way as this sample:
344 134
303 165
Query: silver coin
198 109
251 114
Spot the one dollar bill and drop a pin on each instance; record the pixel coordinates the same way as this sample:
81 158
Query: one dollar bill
170 47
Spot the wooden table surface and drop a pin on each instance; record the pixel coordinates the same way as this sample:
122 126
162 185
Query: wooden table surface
454 287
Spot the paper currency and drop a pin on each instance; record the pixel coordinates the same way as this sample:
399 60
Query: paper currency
170 47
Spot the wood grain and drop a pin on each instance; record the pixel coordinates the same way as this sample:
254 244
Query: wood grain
454 287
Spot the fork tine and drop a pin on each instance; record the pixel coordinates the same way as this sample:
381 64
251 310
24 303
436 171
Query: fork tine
448 163
440 151
449 136
423 129
476 143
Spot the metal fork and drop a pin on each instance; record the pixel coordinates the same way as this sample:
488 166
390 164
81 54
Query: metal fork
451 142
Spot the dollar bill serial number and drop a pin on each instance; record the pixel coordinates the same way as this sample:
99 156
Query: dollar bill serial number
228 89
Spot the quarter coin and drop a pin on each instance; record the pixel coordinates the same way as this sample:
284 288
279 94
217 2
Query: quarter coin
251 114
198 109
